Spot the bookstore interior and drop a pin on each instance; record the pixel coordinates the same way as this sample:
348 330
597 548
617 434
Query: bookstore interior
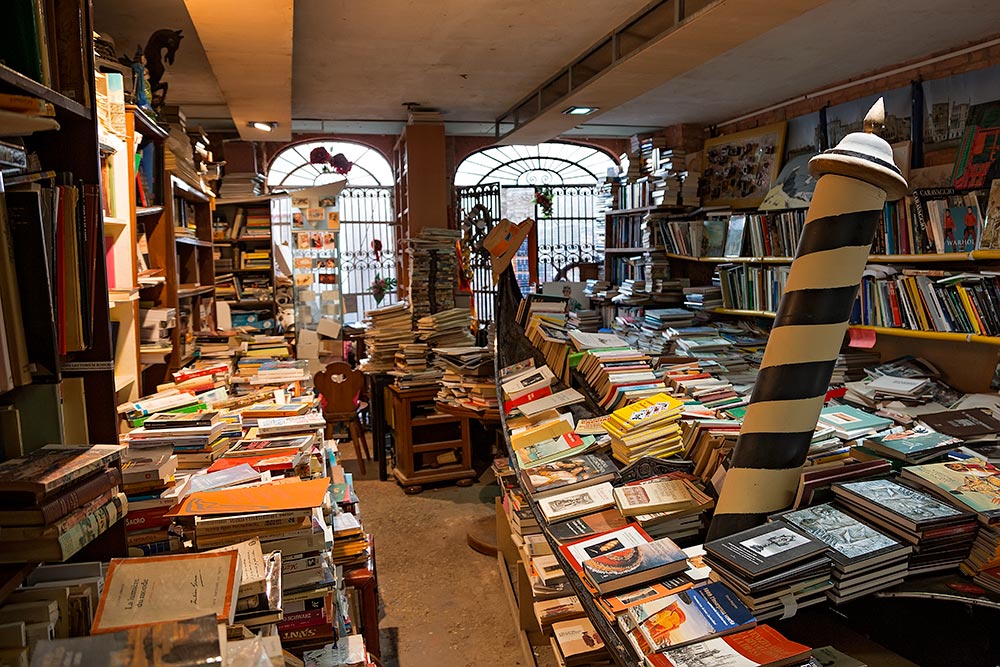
664 335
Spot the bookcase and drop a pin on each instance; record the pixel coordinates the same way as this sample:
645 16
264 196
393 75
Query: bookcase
179 243
421 183
244 261
57 359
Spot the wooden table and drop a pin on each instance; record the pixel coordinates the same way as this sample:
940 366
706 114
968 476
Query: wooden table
421 435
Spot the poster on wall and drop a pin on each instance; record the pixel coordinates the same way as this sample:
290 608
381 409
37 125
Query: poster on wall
980 148
794 186
947 103
739 168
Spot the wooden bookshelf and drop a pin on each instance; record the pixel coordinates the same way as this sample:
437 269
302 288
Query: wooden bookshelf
950 257
421 184
253 305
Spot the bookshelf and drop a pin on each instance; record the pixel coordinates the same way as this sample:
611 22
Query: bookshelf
58 317
244 260
421 183
179 241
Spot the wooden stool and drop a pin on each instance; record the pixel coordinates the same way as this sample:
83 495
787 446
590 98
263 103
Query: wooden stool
340 385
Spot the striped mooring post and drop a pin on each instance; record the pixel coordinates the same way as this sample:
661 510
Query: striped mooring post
854 180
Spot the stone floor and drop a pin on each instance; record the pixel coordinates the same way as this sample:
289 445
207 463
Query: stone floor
443 602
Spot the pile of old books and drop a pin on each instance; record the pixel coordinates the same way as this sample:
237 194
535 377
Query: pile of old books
447 328
388 328
433 267
148 478
413 368
940 534
468 380
584 320
58 499
670 505
619 376
197 438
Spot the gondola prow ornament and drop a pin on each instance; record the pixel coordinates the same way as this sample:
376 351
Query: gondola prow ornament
854 181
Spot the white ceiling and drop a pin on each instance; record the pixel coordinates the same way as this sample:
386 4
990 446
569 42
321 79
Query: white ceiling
842 39
355 63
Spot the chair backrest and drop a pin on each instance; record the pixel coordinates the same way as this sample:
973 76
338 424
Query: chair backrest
340 385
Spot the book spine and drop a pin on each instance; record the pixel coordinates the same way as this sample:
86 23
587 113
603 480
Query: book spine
87 530
303 619
300 564
147 518
53 509
274 520
324 631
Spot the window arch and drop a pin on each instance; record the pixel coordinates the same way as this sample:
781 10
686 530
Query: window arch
552 163
291 168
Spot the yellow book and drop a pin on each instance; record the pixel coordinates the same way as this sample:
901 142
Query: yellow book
540 433
970 310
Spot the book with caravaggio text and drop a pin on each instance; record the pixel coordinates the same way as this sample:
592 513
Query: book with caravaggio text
264 498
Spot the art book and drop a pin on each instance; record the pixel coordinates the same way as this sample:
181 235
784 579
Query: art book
972 483
273 497
849 422
626 568
623 538
915 444
150 590
853 544
893 501
691 616
659 496
762 646
586 526
549 451
567 474
575 503
577 639
764 549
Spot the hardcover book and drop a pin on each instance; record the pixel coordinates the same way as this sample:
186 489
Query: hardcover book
972 483
633 566
158 589
585 526
763 549
623 538
570 473
892 500
691 616
852 543
660 496
913 444
53 467
965 424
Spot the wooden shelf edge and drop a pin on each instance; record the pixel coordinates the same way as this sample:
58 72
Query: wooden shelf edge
142 211
31 87
147 126
193 241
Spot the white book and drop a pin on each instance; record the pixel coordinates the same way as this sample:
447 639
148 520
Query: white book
577 502
557 400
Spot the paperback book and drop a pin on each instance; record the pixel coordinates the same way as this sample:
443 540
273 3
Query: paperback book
567 474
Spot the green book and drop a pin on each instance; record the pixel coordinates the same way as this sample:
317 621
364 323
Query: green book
19 46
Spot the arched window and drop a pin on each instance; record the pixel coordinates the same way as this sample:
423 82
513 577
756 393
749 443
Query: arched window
291 167
553 163
367 219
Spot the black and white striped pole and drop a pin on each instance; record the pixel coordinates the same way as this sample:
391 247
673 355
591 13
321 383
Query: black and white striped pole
854 180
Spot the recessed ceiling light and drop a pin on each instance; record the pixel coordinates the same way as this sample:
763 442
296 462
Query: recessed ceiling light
263 126
580 111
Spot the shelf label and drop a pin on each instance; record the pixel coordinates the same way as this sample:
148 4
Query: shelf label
88 366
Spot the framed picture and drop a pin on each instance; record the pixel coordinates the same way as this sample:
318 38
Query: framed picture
980 148
739 168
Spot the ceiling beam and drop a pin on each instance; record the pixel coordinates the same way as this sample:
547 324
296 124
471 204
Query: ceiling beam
653 47
249 45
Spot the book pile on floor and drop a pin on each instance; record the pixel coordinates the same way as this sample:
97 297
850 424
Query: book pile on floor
433 267
584 320
388 328
197 438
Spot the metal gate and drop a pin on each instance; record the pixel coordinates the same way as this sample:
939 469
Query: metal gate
366 219
559 245
478 211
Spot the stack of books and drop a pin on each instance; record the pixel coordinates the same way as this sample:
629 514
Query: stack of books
646 428
941 535
256 224
58 499
412 369
388 328
584 320
619 375
850 423
864 559
547 332
255 260
468 380
447 328
147 474
197 438
648 502
433 265
259 592
772 567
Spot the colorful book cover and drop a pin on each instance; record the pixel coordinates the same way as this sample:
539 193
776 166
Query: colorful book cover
758 646
757 551
591 547
553 476
913 440
264 498
634 560
552 450
691 616
973 483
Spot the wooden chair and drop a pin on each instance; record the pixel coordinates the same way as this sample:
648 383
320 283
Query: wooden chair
340 385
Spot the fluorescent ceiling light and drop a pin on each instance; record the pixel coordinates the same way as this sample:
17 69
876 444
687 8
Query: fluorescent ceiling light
262 126
580 111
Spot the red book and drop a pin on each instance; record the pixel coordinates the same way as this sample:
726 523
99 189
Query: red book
527 398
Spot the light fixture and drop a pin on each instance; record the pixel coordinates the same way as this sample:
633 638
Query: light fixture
580 111
262 126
